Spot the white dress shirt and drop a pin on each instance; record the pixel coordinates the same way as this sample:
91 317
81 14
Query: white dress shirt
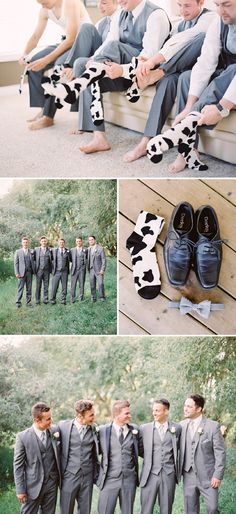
39 433
117 429
113 34
207 63
195 424
163 425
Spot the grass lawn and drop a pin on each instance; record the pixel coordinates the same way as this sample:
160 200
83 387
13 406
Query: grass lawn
80 318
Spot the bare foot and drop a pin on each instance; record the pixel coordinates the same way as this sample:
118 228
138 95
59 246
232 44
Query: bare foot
43 122
151 78
37 117
98 144
139 150
178 165
75 132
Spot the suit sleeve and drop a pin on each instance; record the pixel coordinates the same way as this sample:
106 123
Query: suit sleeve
16 263
140 443
219 453
103 256
19 466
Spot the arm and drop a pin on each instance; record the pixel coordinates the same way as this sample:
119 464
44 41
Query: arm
16 265
113 34
219 454
19 469
37 34
103 257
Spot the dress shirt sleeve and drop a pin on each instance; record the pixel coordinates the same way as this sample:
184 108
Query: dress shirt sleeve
113 34
207 61
157 30
230 93
180 39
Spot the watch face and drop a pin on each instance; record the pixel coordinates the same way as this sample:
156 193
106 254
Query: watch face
224 113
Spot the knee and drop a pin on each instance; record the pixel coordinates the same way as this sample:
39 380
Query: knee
79 66
184 78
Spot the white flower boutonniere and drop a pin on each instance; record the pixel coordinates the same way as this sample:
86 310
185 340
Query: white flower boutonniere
200 431
96 429
172 430
56 436
135 431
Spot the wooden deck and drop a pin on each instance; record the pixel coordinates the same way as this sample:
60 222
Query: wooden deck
141 317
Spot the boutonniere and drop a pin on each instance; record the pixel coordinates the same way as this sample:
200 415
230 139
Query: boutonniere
56 436
135 431
172 430
200 430
95 429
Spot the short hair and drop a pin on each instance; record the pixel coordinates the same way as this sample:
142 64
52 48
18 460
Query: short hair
61 239
24 238
79 237
92 237
198 400
164 402
117 407
38 409
81 406
43 237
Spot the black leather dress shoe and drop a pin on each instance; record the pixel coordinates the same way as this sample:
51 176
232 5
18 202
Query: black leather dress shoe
208 249
179 243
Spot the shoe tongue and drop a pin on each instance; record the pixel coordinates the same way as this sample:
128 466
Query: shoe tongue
181 232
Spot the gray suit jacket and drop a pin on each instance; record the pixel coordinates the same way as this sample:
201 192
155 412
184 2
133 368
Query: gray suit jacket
36 258
54 256
73 253
104 449
147 441
65 428
19 262
209 455
98 260
28 466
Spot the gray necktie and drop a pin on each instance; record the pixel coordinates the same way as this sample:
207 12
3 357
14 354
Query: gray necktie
121 435
82 432
128 23
161 432
192 429
231 39
44 439
188 24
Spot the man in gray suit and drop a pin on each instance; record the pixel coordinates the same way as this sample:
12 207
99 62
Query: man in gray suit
79 458
36 463
161 440
202 457
24 269
43 268
118 476
96 268
78 257
60 270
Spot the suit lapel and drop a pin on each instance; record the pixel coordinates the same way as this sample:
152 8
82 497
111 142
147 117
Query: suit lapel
174 443
183 440
202 424
108 439
35 443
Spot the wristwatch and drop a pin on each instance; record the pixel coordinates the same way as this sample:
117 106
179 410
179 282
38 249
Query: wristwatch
222 110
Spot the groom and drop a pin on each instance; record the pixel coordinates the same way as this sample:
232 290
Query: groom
36 464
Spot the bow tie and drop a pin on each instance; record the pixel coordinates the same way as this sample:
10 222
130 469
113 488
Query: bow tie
203 308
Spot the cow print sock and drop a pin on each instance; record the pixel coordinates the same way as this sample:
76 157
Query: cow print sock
70 92
141 244
182 135
96 107
133 93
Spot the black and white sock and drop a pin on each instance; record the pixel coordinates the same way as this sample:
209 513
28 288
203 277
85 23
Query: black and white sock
133 93
141 244
96 107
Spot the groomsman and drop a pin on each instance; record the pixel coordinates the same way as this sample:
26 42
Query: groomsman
43 268
79 458
96 268
36 464
161 440
202 457
118 476
24 269
60 270
78 268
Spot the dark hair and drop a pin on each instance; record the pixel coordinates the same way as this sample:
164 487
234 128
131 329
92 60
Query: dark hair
61 239
81 406
164 402
79 237
117 407
24 238
93 237
38 409
198 400
43 237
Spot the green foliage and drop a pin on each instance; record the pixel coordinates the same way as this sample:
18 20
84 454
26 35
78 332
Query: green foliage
6 269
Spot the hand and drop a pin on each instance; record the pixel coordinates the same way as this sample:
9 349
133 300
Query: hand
18 276
22 497
113 70
68 73
145 67
38 65
101 272
209 115
181 116
22 60
215 483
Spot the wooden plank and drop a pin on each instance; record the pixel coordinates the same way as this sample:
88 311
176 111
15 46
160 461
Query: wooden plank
129 327
220 322
154 315
225 187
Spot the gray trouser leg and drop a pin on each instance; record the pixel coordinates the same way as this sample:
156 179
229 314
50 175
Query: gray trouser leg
162 104
166 492
76 488
37 98
191 493
101 290
79 275
149 494
93 282
64 281
86 43
82 275
25 281
46 501
107 500
186 57
216 88
116 51
20 289
182 91
42 276
126 497
49 103
55 284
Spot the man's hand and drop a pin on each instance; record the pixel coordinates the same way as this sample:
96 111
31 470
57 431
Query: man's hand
22 60
215 483
18 276
145 67
22 497
38 65
113 70
101 272
209 115
181 116
68 73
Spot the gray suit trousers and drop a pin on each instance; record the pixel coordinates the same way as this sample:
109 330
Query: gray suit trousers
42 276
113 490
37 98
25 281
60 276
192 491
86 43
161 486
94 280
76 488
46 501
78 276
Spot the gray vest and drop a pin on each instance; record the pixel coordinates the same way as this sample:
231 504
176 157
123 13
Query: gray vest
189 451
163 454
135 38
80 259
226 57
121 457
44 260
61 261
28 266
48 459
104 27
80 452
182 24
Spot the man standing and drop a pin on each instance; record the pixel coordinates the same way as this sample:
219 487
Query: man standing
118 476
161 440
60 270
43 268
24 269
96 268
79 458
78 268
36 464
202 457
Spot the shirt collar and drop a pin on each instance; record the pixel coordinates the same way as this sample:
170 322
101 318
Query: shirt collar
196 422
165 425
137 10
118 427
39 432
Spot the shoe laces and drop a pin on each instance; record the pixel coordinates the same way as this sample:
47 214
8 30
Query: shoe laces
211 246
182 242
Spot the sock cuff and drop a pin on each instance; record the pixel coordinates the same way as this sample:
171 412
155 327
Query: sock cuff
149 226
